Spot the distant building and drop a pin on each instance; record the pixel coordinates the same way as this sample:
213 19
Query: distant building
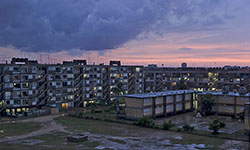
184 65
26 84
227 103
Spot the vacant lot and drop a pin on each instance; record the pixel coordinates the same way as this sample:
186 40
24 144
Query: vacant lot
17 128
50 133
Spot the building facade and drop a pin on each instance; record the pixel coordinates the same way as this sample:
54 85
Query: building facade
26 84
159 103
230 103
231 79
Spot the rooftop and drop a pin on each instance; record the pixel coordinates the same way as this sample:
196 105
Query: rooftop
158 94
228 94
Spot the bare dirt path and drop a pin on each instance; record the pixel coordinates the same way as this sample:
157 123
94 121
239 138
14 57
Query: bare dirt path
48 125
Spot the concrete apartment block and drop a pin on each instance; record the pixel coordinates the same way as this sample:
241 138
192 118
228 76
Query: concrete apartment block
158 103
230 103
26 85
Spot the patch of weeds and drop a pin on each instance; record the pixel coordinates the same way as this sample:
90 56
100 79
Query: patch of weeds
168 125
187 127
146 122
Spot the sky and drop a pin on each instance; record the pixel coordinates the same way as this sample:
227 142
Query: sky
164 32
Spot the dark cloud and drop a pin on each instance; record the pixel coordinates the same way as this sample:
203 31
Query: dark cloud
185 49
75 25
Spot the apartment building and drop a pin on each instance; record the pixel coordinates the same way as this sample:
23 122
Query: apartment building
159 103
231 79
230 103
27 85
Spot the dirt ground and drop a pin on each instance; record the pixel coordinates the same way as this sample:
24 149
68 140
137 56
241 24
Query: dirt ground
202 123
48 125
103 135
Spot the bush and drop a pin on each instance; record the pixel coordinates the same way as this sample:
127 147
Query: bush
146 122
80 115
242 117
168 125
187 127
216 125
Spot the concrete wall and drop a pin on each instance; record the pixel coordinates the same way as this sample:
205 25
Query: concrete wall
158 100
147 102
134 107
134 102
170 99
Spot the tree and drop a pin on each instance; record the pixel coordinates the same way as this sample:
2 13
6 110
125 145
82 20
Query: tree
118 89
216 125
207 103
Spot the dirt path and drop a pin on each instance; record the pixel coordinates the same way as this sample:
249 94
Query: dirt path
48 125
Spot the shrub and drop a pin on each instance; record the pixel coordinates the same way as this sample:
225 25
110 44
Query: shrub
168 125
80 115
216 125
187 127
146 122
92 111
242 117
98 111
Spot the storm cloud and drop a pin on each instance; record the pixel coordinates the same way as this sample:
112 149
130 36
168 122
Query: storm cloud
76 25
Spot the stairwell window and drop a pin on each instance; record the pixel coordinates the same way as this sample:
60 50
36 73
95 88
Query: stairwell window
7 95
146 110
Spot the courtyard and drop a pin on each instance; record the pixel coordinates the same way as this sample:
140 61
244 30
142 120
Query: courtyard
51 131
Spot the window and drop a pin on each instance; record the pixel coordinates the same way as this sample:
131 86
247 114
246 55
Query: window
146 110
30 77
147 100
7 78
11 68
70 75
17 85
137 69
7 95
30 92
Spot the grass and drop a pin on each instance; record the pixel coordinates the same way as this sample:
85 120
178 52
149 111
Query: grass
53 141
114 129
92 126
11 129
59 140
195 139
